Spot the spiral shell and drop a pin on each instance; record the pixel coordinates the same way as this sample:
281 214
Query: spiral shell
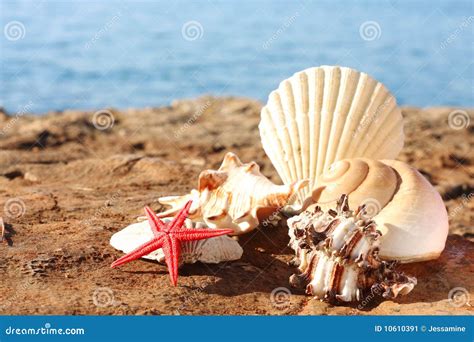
406 208
211 251
337 256
325 114
236 196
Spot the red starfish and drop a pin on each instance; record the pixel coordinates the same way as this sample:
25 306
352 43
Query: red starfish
169 236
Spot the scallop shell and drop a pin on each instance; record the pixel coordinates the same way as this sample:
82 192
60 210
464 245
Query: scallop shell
337 255
407 209
211 251
324 114
236 196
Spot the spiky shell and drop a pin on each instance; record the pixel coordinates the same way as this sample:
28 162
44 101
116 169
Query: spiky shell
236 196
406 207
324 114
337 255
211 251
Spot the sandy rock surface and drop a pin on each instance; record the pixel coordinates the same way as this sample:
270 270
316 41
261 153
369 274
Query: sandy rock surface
70 180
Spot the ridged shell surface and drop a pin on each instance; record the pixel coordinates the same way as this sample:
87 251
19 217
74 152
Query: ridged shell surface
337 256
211 251
324 114
406 207
236 196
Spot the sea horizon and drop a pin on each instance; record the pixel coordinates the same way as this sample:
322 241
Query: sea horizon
60 55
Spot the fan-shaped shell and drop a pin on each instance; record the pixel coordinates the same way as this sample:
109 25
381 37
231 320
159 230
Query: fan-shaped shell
407 209
236 196
211 251
324 114
337 255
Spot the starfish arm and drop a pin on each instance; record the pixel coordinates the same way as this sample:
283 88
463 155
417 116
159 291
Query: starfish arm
200 234
171 249
155 223
178 221
140 251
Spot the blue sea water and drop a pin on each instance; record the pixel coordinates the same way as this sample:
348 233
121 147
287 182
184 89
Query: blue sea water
89 54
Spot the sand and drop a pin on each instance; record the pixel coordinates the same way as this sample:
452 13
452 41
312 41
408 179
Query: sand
67 186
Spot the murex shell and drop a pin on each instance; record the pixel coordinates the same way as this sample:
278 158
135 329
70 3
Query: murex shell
406 208
337 255
236 196
325 114
211 251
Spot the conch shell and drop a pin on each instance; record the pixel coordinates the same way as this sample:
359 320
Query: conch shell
236 196
325 114
337 255
406 208
210 251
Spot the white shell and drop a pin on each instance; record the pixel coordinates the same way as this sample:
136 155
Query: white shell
236 196
211 251
337 255
407 209
324 114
